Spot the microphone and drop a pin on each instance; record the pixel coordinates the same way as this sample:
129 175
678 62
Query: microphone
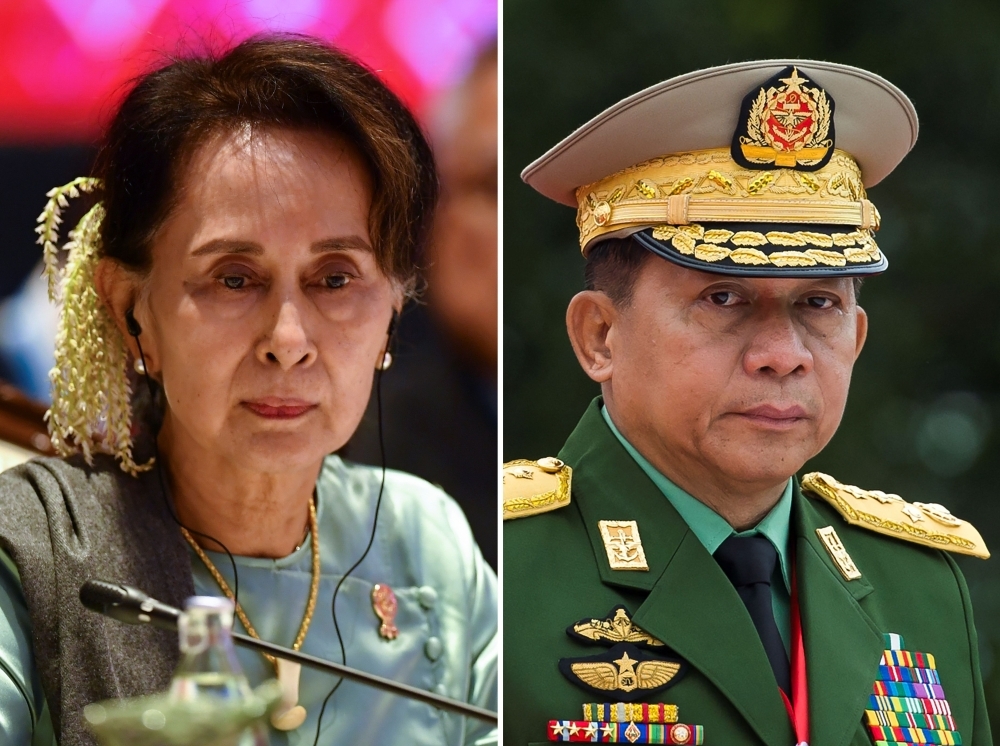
127 604
131 606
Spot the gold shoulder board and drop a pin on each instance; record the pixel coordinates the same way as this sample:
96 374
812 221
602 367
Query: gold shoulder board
929 524
531 487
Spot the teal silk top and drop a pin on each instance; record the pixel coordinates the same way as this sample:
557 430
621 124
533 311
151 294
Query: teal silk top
712 529
447 619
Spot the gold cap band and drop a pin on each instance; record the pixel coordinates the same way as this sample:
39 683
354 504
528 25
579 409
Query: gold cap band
707 186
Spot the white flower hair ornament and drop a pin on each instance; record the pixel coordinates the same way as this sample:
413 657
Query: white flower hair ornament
91 396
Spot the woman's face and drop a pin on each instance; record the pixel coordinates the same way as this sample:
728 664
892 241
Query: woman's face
264 314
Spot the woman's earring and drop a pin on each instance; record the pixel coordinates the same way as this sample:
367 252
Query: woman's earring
140 367
386 361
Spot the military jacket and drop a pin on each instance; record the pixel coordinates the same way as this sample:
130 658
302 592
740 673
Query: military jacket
557 572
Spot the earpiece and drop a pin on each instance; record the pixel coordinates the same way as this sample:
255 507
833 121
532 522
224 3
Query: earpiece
387 357
135 330
392 324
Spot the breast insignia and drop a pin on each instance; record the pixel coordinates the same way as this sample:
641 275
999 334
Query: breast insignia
616 627
929 524
908 698
624 722
532 487
626 672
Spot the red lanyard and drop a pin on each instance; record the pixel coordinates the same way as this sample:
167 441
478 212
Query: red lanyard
798 706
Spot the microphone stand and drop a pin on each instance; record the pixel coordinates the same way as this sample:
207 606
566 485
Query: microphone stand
131 606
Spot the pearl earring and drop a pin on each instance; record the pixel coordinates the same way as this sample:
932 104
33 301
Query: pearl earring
386 361
140 367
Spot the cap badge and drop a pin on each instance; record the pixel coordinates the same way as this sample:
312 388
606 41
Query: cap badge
786 123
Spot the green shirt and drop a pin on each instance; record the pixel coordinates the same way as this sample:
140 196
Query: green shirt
712 529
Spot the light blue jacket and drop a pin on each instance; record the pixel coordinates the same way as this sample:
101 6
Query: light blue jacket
447 618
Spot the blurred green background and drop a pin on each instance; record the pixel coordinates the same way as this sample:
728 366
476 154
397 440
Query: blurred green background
923 419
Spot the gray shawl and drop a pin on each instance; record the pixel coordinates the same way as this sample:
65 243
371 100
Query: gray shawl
64 523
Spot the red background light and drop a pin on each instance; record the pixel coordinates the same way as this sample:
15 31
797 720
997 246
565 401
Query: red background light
64 63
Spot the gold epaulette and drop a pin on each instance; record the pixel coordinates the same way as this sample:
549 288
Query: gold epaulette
532 487
929 524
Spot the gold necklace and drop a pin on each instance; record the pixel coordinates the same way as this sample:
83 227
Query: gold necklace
290 714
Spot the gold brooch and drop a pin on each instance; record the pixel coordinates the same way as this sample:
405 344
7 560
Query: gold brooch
385 606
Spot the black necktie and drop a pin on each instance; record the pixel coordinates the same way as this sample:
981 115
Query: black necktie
748 562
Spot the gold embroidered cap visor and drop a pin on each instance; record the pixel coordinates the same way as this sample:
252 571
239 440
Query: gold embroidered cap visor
757 168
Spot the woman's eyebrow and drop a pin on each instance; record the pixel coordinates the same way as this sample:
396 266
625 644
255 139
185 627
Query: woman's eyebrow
228 246
339 243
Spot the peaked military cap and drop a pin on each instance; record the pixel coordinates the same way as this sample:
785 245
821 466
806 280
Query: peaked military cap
756 168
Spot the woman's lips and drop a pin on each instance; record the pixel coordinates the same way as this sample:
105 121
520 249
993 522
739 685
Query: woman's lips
275 408
770 415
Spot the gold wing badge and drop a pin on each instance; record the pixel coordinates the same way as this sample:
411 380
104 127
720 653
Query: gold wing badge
626 672
617 627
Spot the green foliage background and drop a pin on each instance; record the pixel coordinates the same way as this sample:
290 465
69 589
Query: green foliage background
923 419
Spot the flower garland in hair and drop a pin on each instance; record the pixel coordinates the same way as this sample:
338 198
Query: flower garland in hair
91 397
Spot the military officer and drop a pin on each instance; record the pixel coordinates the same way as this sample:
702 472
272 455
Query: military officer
667 578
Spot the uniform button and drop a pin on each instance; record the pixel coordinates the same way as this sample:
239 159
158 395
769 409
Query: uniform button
427 596
433 648
440 689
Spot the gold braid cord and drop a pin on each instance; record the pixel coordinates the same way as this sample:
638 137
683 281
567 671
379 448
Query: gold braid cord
689 190
91 397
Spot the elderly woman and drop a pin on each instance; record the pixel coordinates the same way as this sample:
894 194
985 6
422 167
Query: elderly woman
260 223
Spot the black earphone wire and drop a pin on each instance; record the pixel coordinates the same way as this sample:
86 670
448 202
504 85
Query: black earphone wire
163 486
371 539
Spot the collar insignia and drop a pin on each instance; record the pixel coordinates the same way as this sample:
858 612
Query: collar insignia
838 553
626 671
623 545
786 123
615 628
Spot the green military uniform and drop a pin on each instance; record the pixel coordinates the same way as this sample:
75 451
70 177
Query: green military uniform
556 573
632 611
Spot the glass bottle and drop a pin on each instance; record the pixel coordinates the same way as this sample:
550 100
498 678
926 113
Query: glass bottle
209 668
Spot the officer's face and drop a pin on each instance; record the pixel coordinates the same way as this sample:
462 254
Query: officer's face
737 381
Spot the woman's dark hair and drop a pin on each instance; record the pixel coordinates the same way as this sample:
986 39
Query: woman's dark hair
271 81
